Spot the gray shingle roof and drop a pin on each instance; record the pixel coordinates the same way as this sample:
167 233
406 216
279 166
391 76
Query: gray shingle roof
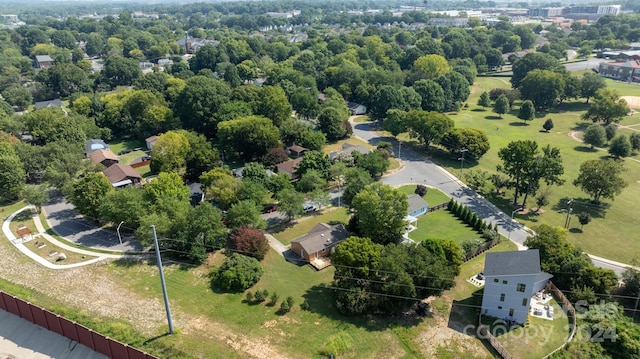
322 236
512 263
416 202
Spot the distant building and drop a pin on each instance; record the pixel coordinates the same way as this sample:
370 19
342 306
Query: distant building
50 103
319 243
150 141
356 108
44 61
624 71
120 175
289 167
104 157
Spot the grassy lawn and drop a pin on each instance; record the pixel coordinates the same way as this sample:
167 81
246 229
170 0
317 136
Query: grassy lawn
129 157
23 218
393 164
45 249
364 118
190 292
613 221
145 171
442 224
337 146
303 225
126 144
433 197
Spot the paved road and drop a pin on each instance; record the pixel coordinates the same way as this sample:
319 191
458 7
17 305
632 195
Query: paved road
66 222
20 338
418 170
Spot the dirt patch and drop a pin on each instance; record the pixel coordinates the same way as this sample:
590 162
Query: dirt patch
632 101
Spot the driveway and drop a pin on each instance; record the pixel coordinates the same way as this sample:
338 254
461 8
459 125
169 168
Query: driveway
418 170
67 223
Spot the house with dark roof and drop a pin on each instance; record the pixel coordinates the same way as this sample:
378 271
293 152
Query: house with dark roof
289 167
104 157
44 61
295 151
417 205
122 175
356 108
94 145
319 243
511 279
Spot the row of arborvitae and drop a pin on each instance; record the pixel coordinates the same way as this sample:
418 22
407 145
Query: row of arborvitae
469 217
262 295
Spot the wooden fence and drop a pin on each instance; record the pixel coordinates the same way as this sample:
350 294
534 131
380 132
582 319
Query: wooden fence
485 334
571 314
70 329
438 207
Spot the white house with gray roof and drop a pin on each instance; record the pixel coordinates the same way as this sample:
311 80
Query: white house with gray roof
511 279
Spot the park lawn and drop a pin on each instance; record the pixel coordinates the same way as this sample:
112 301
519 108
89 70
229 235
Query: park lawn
613 222
442 224
433 197
301 226
190 292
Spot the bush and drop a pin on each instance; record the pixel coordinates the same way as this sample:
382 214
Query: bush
248 241
337 344
259 296
284 307
421 190
304 305
248 297
274 299
237 273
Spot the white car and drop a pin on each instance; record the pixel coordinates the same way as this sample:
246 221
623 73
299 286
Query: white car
550 312
309 208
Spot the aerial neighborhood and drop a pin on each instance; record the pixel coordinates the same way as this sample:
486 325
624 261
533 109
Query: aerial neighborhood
320 179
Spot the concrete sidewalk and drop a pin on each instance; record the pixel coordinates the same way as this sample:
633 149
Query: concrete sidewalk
22 339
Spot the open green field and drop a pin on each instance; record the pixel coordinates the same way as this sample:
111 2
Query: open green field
614 227
442 224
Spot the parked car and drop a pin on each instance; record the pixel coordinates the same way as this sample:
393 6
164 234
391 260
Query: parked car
124 152
309 208
550 312
270 208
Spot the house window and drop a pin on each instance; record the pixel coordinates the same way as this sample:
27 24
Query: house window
524 302
511 312
521 287
502 297
495 280
499 307
504 282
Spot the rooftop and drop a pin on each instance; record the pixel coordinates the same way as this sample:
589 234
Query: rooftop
512 263
322 236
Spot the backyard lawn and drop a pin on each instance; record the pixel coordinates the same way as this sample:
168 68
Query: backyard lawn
442 224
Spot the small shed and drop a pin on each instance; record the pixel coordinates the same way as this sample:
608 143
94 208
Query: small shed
44 61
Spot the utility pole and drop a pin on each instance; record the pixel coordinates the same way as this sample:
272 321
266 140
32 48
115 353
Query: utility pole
569 211
164 286
461 159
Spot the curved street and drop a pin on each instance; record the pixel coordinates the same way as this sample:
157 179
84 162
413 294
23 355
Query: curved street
416 169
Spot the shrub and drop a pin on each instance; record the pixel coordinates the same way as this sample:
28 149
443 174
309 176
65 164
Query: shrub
274 299
237 273
284 307
421 190
248 241
337 344
259 296
248 297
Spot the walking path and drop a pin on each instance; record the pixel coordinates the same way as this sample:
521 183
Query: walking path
417 169
41 232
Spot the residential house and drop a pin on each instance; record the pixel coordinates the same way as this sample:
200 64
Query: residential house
94 145
196 194
417 205
349 148
319 243
122 175
624 71
296 151
104 157
150 141
289 167
50 103
356 108
511 279
44 61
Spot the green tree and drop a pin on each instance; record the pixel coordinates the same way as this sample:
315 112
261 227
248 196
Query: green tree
249 137
331 124
201 158
167 185
620 147
169 153
473 140
601 179
237 273
274 104
36 195
126 205
245 213
253 191
428 127
380 212
310 181
533 61
542 87
590 84
18 96
456 90
290 202
432 66
375 162
386 98
634 138
88 194
395 122
527 111
221 187
315 160
584 218
432 94
610 131
199 101
120 71
12 174
484 100
548 125
517 158
501 106
594 135
607 107
356 179
547 167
